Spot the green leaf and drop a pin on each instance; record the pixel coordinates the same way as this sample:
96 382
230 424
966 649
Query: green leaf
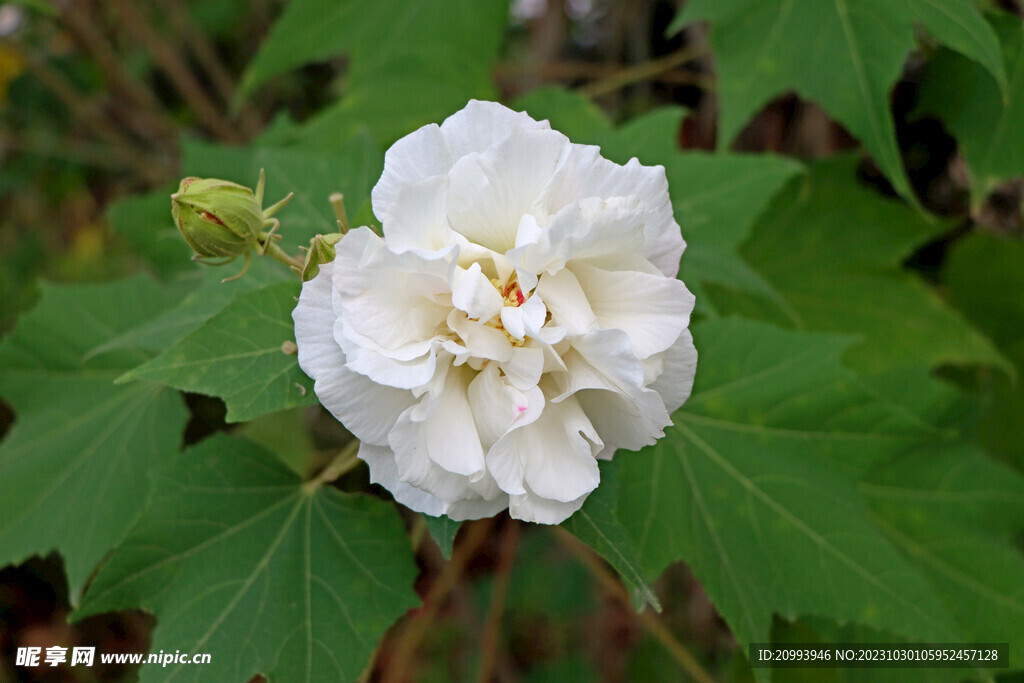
443 529
985 123
953 512
313 175
755 487
834 249
984 277
73 469
716 198
237 355
844 55
597 525
237 558
411 62
204 301
309 31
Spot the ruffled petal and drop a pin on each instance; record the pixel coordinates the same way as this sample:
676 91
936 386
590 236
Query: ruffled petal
679 367
444 437
651 309
630 422
567 302
585 229
419 219
587 174
368 409
532 508
420 155
490 191
481 125
498 406
553 455
482 340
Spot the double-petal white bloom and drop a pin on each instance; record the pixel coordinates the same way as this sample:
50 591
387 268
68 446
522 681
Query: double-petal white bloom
520 319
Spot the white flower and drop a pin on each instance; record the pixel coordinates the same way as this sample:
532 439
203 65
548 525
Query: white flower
520 319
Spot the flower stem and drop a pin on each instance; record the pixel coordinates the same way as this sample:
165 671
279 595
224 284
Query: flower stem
415 627
278 254
491 639
345 461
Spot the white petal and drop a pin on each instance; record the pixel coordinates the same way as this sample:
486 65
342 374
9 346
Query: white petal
418 156
390 298
609 355
586 229
387 371
482 340
526 319
498 406
622 421
525 367
419 218
587 174
384 471
567 302
676 379
367 409
444 436
480 125
652 309
474 293
477 509
490 191
554 455
533 508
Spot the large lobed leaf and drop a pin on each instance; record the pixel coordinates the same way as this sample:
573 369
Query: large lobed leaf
238 558
756 488
73 470
411 62
954 513
845 55
833 249
238 355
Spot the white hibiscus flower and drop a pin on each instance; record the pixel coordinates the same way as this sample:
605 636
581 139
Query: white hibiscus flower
520 319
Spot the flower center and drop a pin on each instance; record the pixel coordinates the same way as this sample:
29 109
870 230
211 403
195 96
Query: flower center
513 296
510 292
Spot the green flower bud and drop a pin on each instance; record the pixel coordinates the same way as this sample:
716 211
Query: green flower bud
321 251
219 219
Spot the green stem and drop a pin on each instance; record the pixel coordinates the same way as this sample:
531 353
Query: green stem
278 254
344 462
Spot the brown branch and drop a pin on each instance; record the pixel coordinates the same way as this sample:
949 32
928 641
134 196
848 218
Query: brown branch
75 16
648 619
420 622
89 115
173 64
206 54
642 72
492 626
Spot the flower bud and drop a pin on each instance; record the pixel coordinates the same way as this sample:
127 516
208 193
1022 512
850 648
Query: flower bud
218 218
321 251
